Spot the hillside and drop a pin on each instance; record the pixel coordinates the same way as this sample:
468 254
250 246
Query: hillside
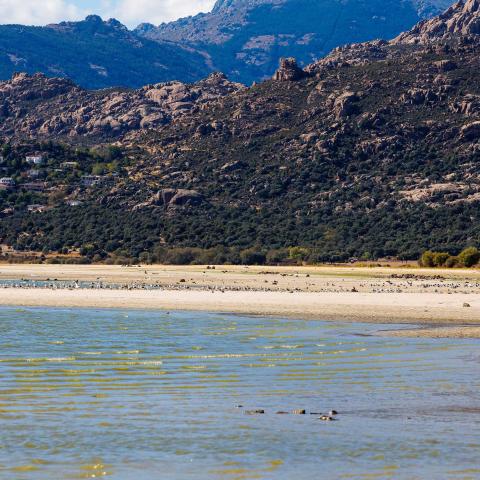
245 38
96 54
372 151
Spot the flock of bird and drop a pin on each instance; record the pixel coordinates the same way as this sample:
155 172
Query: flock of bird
365 286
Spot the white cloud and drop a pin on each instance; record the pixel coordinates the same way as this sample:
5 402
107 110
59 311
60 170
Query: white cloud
130 12
133 12
37 12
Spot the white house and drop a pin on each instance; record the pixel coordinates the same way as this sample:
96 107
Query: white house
91 180
69 164
7 183
33 173
34 159
36 208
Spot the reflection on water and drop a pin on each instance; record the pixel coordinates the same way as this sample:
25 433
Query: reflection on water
144 395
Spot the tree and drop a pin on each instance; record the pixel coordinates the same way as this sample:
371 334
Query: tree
439 258
252 256
427 259
298 253
469 257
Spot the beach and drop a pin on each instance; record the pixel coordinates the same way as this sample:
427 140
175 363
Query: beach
448 299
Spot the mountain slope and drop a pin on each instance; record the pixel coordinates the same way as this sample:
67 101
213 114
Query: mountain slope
242 38
459 21
245 38
371 151
96 54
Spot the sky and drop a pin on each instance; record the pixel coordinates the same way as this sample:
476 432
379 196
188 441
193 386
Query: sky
129 12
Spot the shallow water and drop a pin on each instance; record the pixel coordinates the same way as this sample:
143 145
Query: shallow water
147 395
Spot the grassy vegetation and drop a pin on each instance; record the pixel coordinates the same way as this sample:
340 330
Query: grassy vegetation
467 258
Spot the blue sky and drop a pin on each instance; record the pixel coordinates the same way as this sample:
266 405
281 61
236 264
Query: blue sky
130 12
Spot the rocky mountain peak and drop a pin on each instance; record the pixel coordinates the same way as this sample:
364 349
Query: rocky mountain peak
92 24
222 5
459 21
93 19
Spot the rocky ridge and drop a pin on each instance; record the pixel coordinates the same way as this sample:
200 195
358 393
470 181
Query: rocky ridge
461 20
37 106
245 38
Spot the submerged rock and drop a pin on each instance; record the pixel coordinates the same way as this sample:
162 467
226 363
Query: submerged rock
299 412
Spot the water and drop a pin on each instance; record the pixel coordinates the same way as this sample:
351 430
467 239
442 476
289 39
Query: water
146 395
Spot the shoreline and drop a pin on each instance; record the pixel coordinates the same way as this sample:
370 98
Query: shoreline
443 306
445 312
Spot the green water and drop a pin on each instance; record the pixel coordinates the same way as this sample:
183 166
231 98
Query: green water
150 395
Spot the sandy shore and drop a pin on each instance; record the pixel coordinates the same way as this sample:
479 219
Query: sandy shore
452 331
382 295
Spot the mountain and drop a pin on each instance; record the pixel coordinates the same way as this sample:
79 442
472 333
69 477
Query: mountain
245 38
96 54
371 151
459 21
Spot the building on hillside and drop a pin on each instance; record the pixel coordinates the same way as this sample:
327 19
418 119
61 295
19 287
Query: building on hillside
34 159
69 164
33 173
35 186
36 208
74 203
92 180
7 183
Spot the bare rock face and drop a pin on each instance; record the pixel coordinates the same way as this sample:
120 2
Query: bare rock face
186 197
445 65
462 20
471 131
171 196
289 71
32 105
417 96
468 105
344 104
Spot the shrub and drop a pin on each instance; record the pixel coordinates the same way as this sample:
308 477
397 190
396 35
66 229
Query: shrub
439 258
451 262
274 257
469 257
298 253
427 259
180 256
252 256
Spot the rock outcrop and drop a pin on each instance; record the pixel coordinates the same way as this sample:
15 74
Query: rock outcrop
289 71
460 21
344 105
34 105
